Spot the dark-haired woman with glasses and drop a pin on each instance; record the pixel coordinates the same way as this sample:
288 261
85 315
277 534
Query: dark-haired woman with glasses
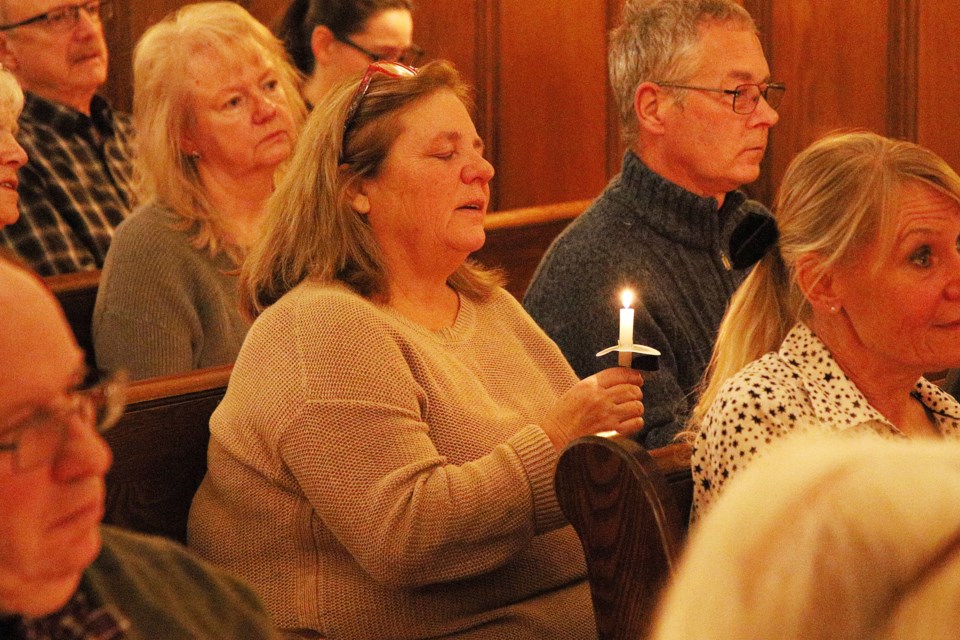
331 40
382 463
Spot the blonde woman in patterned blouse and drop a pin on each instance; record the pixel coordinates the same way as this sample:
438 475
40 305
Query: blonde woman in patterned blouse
857 295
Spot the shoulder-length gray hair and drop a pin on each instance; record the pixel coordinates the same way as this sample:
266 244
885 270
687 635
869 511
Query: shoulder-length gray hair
161 105
11 95
312 231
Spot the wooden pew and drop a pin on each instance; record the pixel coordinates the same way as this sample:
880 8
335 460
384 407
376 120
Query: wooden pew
630 508
77 293
518 238
160 450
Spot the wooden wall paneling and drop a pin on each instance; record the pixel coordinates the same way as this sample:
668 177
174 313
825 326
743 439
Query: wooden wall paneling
764 189
833 56
551 107
464 32
938 73
269 12
902 69
129 22
615 145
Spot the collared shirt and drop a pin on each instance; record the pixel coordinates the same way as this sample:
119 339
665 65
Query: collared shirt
800 387
80 619
76 187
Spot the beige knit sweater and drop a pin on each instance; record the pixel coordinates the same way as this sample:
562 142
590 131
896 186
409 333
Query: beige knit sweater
373 479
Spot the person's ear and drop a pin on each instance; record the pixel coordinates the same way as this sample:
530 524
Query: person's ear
321 43
648 103
818 284
7 57
359 201
187 144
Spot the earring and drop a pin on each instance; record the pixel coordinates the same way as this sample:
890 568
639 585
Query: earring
833 309
195 156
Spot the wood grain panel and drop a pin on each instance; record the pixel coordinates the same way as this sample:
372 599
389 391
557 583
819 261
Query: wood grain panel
939 89
552 102
462 31
835 70
130 20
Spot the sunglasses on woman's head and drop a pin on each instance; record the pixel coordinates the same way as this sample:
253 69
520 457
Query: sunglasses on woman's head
387 68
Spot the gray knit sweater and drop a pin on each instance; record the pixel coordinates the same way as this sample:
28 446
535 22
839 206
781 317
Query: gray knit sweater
669 246
164 306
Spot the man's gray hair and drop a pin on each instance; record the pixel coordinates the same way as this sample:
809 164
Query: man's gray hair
659 40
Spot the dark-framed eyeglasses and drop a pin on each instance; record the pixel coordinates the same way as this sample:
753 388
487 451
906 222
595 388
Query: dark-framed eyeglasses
65 18
746 97
391 69
39 438
410 56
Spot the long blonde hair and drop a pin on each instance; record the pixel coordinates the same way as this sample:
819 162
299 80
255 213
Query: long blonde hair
312 231
161 109
837 194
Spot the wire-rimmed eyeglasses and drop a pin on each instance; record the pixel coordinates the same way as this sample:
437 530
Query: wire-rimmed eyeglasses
746 97
39 438
65 18
410 56
391 69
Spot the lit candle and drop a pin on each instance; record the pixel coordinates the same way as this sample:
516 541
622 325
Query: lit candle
625 358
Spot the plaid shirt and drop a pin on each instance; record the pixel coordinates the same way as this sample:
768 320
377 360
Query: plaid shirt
79 619
75 189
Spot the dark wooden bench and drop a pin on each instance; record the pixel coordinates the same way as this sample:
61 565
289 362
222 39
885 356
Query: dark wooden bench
630 508
77 293
518 238
160 450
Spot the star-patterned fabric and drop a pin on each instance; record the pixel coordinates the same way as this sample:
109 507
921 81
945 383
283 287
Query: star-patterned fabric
799 388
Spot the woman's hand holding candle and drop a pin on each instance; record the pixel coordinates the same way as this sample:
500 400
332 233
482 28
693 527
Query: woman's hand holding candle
610 400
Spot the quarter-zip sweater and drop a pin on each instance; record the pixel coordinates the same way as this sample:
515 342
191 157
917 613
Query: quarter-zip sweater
669 246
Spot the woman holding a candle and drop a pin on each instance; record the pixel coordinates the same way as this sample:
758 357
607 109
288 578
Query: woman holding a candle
857 294
382 462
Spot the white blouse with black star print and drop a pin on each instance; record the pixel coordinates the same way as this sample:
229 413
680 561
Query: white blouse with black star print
800 387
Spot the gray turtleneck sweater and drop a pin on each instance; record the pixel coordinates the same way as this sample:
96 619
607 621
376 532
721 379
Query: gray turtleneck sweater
668 245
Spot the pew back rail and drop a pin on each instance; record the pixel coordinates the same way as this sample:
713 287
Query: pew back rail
160 451
630 509
518 238
77 293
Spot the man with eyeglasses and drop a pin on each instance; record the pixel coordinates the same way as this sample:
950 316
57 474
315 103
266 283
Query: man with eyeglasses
696 104
77 186
62 574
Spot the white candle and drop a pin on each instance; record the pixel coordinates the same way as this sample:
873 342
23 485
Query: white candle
626 328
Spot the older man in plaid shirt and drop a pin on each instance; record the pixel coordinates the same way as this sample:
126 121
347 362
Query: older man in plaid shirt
77 186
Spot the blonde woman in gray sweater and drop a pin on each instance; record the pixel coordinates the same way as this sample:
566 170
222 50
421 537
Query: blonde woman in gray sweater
217 108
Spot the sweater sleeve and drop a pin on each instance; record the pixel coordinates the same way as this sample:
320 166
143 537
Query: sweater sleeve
665 404
364 449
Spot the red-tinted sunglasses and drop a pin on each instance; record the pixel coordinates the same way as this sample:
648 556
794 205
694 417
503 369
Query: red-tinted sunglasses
387 68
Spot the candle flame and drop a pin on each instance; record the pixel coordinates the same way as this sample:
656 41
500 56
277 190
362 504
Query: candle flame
626 296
